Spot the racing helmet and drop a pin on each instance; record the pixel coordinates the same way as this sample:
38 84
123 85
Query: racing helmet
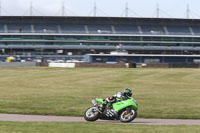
128 92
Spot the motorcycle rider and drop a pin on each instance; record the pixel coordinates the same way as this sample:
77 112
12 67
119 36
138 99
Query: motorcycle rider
121 95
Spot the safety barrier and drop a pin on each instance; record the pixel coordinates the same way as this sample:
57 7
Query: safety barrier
69 65
93 65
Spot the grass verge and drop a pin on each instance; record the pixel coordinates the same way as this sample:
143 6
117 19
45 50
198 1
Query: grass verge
30 127
161 93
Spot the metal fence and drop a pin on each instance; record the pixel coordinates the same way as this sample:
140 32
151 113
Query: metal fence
17 64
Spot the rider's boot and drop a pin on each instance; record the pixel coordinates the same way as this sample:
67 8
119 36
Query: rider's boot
103 106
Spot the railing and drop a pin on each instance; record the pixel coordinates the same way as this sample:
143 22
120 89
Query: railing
100 33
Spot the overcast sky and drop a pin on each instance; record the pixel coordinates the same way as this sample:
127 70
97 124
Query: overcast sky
142 8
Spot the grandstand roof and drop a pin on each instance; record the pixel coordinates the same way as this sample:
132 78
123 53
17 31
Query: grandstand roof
97 20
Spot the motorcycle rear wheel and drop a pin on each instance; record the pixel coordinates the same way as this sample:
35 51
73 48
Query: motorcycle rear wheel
91 114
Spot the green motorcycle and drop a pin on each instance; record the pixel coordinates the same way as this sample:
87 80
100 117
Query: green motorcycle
123 110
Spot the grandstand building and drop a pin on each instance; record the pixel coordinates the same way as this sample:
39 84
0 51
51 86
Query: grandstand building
32 37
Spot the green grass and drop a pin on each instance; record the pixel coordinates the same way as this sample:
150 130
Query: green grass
27 127
161 93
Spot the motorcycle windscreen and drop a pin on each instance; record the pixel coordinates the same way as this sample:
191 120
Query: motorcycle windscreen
123 104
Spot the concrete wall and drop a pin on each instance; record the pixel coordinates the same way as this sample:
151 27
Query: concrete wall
69 65
101 65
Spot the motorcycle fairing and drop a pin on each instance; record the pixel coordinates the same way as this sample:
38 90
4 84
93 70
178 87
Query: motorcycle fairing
123 104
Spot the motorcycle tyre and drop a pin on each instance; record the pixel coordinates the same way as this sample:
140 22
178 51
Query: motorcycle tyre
129 120
94 118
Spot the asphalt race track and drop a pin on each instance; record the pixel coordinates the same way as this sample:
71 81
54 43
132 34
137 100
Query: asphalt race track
141 121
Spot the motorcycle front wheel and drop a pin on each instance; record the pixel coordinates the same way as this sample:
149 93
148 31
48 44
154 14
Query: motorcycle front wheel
91 114
127 115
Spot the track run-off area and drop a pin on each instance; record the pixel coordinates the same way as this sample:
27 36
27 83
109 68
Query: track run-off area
141 121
